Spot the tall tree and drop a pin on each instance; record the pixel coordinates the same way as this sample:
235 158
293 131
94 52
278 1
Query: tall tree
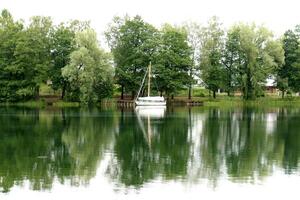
90 71
259 55
194 31
10 32
32 56
230 62
173 61
212 72
133 43
26 56
288 75
63 44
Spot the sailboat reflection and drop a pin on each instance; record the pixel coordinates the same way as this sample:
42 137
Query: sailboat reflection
149 115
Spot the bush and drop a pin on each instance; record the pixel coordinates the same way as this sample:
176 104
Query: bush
200 92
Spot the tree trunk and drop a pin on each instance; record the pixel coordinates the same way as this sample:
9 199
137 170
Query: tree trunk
63 92
37 92
172 96
249 92
214 94
190 91
161 93
282 94
122 92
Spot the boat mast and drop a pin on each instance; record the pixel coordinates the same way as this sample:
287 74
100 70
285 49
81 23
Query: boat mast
149 77
143 81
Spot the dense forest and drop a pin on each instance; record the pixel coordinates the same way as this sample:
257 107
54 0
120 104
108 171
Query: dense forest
68 58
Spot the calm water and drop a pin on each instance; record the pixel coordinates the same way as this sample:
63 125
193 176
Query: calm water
177 153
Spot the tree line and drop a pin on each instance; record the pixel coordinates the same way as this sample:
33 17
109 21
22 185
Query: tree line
68 55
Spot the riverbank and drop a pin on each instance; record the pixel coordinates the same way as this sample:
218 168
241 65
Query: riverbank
222 101
260 102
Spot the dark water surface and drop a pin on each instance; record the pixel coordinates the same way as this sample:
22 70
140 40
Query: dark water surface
178 153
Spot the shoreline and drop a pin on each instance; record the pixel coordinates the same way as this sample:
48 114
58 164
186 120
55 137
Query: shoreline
207 102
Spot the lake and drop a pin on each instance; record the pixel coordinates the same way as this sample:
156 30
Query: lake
174 153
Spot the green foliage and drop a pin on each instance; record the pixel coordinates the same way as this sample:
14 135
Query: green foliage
10 32
89 72
63 44
258 55
242 59
288 75
200 92
230 62
25 57
173 61
32 54
133 43
212 72
194 32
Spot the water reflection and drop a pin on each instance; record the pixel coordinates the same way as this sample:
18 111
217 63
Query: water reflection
163 152
189 145
47 146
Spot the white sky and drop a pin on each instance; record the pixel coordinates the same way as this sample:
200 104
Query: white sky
278 15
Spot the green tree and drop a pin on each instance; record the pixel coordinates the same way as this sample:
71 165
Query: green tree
212 72
194 31
10 32
133 43
173 61
63 44
259 55
230 62
90 71
288 75
32 57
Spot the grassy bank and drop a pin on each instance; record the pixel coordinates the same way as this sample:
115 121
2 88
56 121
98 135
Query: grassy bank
25 104
42 103
264 102
220 101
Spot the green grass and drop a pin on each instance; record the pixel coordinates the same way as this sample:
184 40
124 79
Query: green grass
47 90
196 92
32 103
65 104
260 102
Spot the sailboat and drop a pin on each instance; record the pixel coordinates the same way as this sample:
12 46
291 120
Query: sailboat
149 100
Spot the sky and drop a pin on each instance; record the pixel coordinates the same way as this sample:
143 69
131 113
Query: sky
277 15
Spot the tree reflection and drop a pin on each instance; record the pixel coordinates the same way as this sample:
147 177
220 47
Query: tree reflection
247 144
243 144
287 129
87 136
138 160
185 144
30 148
42 146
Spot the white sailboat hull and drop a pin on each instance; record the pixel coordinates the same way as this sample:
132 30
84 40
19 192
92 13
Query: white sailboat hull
150 101
138 103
